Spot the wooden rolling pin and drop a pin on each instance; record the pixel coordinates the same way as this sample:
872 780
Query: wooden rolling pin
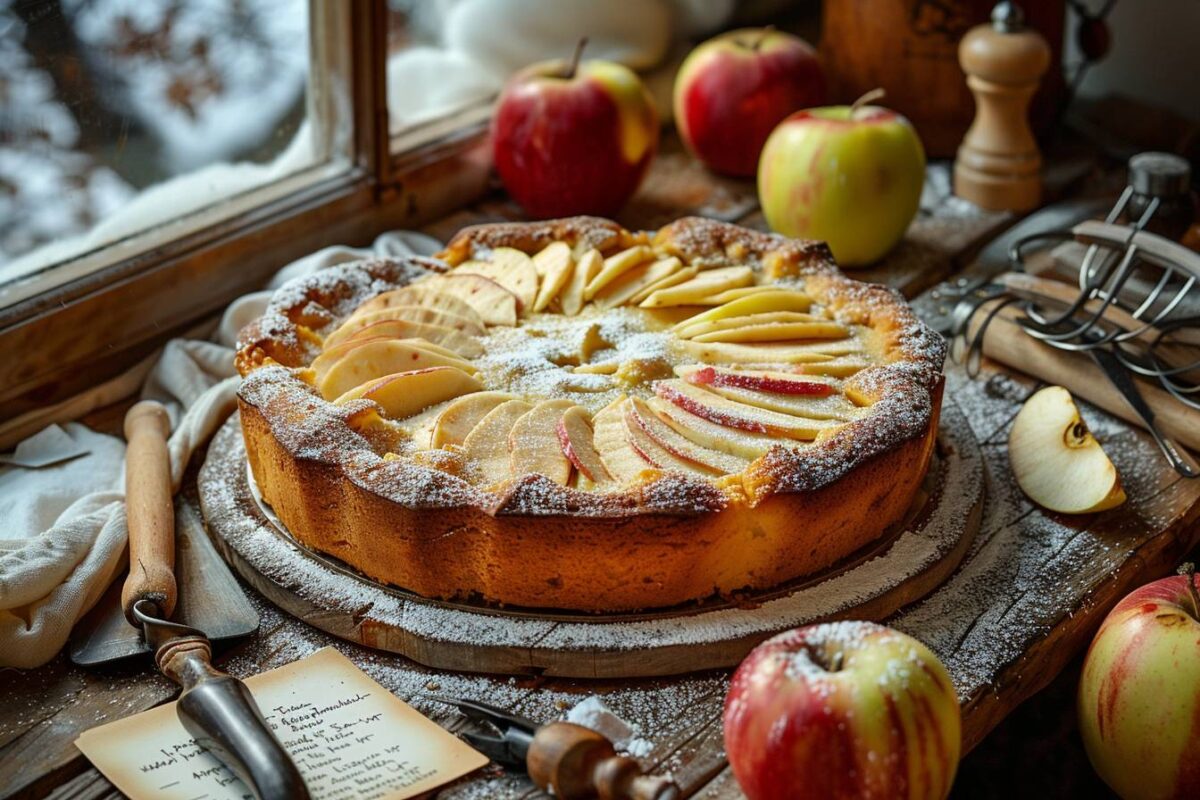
1007 342
150 511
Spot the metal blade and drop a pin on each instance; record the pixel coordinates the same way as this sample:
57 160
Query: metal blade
210 599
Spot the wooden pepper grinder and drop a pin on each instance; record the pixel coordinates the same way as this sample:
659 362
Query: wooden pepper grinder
576 763
998 165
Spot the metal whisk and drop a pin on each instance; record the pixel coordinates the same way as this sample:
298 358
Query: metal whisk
1138 306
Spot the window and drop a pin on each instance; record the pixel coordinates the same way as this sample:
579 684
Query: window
120 116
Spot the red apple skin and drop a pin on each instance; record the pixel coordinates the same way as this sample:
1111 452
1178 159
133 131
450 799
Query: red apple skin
710 377
884 724
734 89
1139 694
579 145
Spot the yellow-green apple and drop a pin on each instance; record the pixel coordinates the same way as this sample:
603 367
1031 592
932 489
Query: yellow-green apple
1057 461
574 138
849 175
1139 696
732 91
842 710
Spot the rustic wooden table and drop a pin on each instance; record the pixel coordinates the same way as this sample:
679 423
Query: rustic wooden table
1027 598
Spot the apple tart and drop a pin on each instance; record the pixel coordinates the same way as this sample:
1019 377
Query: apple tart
571 415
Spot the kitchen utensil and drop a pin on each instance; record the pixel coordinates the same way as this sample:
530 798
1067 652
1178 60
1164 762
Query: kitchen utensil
216 708
570 761
998 166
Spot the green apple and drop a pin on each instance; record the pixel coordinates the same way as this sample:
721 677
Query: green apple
842 710
848 175
1139 695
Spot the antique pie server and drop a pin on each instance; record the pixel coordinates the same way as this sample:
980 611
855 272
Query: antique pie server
215 708
570 761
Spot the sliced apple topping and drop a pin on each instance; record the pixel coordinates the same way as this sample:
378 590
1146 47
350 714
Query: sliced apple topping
732 414
770 353
649 448
533 443
494 304
615 266
777 332
686 330
736 442
428 293
380 357
587 267
455 341
721 298
554 265
460 417
406 393
761 302
486 447
760 380
622 461
842 367
674 279
706 283
511 269
678 445
575 437
415 314
635 281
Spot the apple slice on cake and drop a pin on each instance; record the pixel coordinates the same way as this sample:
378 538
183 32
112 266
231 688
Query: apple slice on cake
742 444
704 284
640 414
494 304
611 439
511 269
732 414
486 447
406 393
615 266
587 267
533 443
379 357
554 266
460 417
427 293
576 438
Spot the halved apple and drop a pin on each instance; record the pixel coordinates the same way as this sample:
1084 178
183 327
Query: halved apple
640 414
511 269
708 434
374 359
588 265
554 265
764 302
615 266
426 316
732 414
406 393
575 438
455 341
770 353
533 444
459 418
494 304
1057 461
635 281
427 293
623 462
706 283
486 446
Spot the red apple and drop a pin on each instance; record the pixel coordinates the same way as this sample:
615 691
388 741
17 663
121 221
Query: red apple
574 138
1139 696
842 710
734 89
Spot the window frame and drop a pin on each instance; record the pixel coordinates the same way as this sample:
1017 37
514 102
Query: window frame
119 303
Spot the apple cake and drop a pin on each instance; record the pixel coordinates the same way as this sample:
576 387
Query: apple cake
571 415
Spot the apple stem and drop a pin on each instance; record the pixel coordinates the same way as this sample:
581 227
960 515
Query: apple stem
574 63
762 37
869 97
1188 570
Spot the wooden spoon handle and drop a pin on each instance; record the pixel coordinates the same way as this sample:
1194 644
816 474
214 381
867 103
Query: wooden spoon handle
150 511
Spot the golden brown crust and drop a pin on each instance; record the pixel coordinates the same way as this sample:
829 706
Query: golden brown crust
532 542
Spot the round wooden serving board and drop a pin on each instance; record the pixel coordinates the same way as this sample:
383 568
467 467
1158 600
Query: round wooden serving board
872 584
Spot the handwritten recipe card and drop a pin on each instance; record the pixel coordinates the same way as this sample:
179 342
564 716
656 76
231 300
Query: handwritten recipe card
350 737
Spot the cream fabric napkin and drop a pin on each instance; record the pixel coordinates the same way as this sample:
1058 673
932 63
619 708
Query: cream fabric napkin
64 537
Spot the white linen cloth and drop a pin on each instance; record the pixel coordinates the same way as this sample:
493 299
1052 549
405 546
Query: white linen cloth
64 537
